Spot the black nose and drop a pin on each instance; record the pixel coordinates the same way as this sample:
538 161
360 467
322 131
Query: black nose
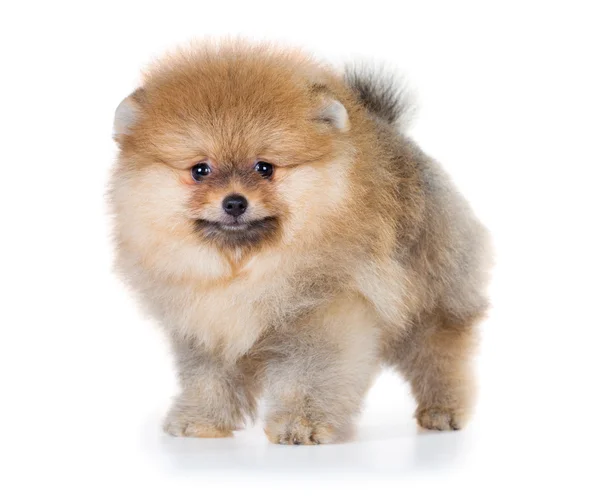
235 204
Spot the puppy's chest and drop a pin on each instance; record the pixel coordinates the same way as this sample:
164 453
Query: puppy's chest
229 312
227 317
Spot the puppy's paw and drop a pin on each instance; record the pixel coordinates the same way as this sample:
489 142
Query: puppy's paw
177 424
441 419
290 429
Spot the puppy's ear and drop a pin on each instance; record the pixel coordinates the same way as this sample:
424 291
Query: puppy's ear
127 114
334 113
330 111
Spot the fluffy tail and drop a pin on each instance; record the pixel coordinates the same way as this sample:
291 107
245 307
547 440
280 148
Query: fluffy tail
381 93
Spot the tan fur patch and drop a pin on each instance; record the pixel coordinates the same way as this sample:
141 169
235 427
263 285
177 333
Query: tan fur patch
199 431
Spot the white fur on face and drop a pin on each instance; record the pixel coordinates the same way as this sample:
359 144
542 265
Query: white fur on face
153 224
310 204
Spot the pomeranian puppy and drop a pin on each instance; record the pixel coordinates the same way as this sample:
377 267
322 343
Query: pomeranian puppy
270 213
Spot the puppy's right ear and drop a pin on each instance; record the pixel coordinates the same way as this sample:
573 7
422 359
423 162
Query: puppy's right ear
127 114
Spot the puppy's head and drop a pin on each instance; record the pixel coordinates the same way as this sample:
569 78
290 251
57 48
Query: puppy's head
232 147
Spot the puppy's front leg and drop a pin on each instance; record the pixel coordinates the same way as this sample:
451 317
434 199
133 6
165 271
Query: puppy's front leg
319 374
215 397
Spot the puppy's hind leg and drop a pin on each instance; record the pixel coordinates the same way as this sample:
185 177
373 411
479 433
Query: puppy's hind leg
437 361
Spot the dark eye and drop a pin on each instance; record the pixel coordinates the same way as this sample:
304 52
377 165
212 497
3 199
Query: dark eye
263 168
200 170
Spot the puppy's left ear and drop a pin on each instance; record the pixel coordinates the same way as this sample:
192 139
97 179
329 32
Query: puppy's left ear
127 114
333 113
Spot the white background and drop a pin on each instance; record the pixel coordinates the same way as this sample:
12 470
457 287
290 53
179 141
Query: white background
509 102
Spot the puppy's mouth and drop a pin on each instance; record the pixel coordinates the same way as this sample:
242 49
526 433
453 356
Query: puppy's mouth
236 232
